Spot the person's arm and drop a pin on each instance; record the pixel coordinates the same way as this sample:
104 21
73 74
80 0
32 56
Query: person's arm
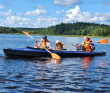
92 46
76 46
36 46
48 45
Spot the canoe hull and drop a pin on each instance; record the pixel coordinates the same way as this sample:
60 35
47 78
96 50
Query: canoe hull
35 52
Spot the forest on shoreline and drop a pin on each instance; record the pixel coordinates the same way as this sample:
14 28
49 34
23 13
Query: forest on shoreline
78 28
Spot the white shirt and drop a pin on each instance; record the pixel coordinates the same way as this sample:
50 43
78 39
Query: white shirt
48 44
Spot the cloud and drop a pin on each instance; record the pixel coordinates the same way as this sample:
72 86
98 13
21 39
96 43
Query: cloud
67 2
16 21
40 6
73 15
1 7
60 12
45 21
6 13
36 12
16 18
2 23
103 16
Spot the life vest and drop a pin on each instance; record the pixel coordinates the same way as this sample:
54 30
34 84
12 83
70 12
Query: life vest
86 45
43 43
59 47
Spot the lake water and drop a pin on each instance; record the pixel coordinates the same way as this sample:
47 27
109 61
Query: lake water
71 75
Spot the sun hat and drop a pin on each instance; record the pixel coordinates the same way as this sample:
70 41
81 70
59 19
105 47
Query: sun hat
57 41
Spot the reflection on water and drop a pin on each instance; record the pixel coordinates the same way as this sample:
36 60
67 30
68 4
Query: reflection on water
86 61
46 75
55 60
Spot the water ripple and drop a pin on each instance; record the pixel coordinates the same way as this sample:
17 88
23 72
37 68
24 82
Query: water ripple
43 75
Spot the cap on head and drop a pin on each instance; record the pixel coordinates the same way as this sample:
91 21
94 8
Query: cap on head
57 41
45 37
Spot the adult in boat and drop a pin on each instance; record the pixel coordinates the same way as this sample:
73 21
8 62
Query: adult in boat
58 45
44 43
86 45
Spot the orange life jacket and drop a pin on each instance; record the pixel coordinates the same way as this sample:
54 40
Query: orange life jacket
43 43
87 46
58 47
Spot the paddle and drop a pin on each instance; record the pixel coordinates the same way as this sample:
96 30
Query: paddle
54 55
103 41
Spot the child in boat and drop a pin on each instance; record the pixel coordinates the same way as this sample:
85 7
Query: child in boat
44 43
58 45
87 45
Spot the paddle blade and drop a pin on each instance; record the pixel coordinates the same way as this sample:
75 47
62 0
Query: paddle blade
55 56
26 33
103 41
65 46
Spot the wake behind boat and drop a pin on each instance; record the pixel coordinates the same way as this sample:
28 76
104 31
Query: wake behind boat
37 52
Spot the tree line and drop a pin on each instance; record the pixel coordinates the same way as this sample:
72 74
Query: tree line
7 30
78 28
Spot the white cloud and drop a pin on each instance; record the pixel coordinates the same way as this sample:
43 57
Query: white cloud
40 6
1 7
2 23
36 12
75 14
87 14
103 16
16 18
71 15
67 2
17 21
60 12
45 21
6 13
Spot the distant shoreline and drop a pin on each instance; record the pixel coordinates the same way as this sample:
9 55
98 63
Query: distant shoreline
62 35
83 36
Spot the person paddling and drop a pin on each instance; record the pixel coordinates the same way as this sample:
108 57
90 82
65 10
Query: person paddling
44 43
58 45
86 45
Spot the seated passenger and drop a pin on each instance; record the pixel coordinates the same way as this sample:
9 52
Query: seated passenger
58 45
86 45
44 43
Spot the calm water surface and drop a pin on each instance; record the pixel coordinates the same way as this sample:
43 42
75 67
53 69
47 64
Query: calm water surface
43 75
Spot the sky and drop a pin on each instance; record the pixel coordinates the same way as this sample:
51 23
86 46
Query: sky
46 13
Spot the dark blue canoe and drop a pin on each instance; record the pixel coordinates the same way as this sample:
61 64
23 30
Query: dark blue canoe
36 52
